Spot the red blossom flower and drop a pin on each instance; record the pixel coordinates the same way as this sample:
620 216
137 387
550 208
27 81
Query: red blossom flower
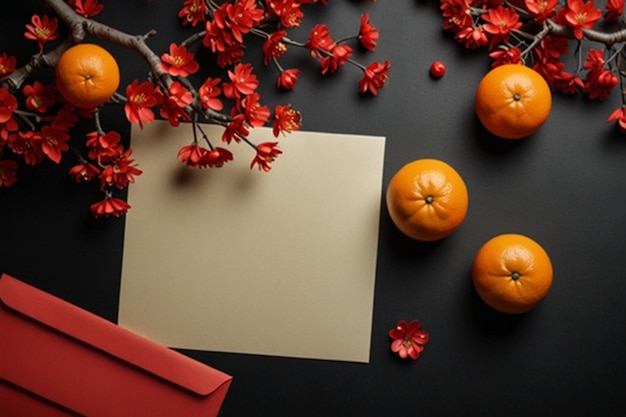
8 174
266 153
172 107
84 171
580 15
243 15
40 98
256 114
286 120
231 55
27 144
120 172
506 55
456 14
288 11
568 83
104 147
619 115
8 104
472 37
209 93
500 22
408 339
236 129
243 82
192 155
600 83
287 78
541 10
65 117
217 157
595 60
614 9
42 30
110 206
368 34
319 41
54 142
140 100
179 62
274 46
374 77
193 12
7 65
340 54
86 8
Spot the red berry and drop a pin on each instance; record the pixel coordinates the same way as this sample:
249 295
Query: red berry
437 69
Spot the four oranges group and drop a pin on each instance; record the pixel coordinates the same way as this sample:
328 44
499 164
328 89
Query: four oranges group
427 199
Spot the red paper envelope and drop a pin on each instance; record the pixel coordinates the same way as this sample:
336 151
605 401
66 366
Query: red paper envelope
59 360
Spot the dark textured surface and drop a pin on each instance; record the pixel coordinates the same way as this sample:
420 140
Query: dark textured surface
563 187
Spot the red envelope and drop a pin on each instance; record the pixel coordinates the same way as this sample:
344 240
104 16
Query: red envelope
59 360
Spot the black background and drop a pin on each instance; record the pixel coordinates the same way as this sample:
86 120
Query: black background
563 186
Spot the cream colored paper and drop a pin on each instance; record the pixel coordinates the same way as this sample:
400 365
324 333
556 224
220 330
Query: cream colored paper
237 260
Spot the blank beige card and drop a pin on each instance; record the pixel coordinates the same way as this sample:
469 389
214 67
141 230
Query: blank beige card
234 259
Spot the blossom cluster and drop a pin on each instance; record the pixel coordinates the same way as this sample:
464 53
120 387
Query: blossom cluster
36 126
538 33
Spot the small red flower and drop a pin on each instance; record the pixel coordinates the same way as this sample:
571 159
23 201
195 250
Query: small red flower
287 78
274 46
408 339
236 129
140 100
600 83
506 55
193 12
620 116
42 30
368 34
340 54
614 9
8 104
256 114
84 171
580 15
472 37
319 41
7 65
456 14
179 62
500 22
110 206
104 148
243 82
541 10
266 153
286 120
374 77
209 92
172 107
217 157
40 98
8 174
192 155
86 8
54 142
120 172
288 11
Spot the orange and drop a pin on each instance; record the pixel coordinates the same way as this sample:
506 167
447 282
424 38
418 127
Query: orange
87 75
512 273
427 199
513 101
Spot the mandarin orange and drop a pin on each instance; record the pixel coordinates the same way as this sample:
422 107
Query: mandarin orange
512 273
427 199
513 101
87 75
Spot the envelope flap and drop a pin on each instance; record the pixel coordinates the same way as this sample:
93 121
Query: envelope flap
110 338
